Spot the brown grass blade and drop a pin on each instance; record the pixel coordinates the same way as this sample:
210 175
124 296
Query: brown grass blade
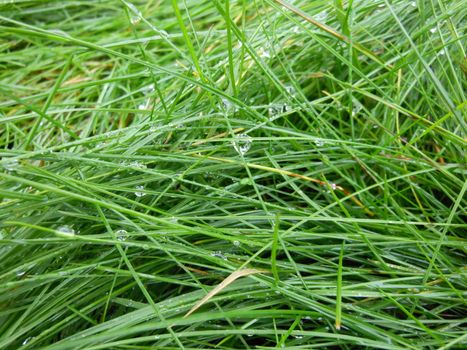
231 278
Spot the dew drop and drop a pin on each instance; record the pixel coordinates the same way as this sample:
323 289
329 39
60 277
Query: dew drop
66 230
149 88
433 30
122 235
218 254
138 192
20 273
229 106
135 19
413 4
11 164
242 143
290 89
319 142
236 243
138 165
263 53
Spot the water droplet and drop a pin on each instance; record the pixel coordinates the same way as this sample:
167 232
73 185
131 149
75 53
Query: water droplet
433 30
236 243
296 29
137 164
228 105
143 106
290 89
26 341
135 19
263 53
249 335
122 235
413 4
333 186
148 88
10 164
375 126
139 192
298 336
319 142
66 230
218 254
145 247
442 52
20 273
242 143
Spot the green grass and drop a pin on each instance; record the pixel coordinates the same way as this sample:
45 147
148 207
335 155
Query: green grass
150 149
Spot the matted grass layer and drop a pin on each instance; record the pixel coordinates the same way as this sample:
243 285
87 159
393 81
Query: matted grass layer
313 149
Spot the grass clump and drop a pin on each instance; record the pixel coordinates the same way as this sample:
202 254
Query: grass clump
310 150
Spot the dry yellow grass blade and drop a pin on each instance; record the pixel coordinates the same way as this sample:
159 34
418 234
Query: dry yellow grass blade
231 278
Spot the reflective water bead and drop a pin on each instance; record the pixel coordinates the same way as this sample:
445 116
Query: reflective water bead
10 164
122 235
319 142
139 192
66 230
242 143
